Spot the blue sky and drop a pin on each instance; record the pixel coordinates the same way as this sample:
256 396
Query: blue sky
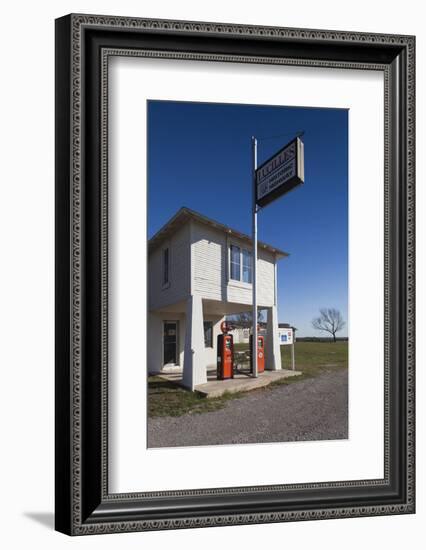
199 156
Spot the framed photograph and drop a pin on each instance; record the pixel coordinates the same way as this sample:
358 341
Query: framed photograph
234 274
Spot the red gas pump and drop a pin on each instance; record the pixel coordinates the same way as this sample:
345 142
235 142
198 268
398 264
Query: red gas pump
260 353
225 354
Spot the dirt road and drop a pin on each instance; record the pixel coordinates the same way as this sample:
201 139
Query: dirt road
312 409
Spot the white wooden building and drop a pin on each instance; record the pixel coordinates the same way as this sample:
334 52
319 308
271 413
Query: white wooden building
199 271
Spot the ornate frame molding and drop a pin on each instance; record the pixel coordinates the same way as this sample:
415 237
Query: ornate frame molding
86 507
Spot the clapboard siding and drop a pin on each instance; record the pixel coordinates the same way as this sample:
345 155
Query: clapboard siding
265 278
180 262
208 262
210 268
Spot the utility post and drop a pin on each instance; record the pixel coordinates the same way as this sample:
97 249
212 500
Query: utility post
281 173
254 256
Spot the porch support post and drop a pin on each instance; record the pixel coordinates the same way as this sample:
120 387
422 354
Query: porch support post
272 344
194 367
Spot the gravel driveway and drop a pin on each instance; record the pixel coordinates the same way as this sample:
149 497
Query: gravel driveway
312 409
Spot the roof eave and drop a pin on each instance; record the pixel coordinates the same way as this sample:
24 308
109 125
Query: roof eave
187 213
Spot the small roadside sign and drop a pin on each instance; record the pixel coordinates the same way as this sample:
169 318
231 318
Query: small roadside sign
280 173
285 336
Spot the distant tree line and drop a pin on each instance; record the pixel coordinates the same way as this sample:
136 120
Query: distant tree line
321 339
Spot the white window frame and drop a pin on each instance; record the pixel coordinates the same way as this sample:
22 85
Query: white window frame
230 261
163 249
212 333
242 265
239 282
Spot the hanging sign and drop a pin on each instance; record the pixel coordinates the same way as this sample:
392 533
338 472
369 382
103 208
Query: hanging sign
281 173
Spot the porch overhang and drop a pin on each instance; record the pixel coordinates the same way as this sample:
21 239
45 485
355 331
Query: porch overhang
211 307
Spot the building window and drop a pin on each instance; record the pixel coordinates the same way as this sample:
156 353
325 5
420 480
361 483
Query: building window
246 266
240 264
208 334
166 266
235 262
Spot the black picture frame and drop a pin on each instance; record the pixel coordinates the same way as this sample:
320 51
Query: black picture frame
83 44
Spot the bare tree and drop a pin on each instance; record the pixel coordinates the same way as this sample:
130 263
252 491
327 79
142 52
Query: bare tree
330 320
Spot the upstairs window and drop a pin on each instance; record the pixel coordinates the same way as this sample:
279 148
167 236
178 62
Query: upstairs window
246 266
235 262
240 264
166 266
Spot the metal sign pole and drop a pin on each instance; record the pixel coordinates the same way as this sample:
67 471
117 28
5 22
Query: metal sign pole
281 173
254 267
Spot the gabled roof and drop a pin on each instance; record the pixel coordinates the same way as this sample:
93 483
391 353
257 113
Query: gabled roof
185 214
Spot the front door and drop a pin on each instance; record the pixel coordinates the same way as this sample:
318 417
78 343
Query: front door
170 341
